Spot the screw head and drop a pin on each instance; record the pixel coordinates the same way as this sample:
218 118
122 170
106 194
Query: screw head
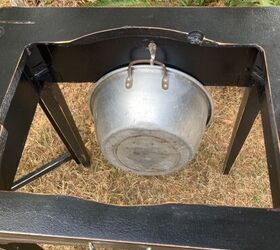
195 37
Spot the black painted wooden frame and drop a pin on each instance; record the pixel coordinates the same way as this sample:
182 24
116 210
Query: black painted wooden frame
35 56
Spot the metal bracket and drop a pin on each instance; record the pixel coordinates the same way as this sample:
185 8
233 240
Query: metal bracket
37 68
257 76
53 103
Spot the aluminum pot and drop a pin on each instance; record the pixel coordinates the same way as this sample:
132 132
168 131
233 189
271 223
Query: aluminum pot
149 119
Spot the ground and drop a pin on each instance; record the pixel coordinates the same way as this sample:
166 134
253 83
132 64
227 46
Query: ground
201 182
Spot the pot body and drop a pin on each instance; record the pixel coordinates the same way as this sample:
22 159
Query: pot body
146 129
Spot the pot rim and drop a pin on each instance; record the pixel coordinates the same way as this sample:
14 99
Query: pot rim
196 83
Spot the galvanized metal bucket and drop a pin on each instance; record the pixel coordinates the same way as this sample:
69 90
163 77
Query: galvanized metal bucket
149 119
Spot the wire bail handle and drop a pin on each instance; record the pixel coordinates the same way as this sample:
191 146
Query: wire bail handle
152 49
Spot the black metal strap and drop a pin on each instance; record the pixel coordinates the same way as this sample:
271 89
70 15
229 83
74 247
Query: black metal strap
41 171
20 246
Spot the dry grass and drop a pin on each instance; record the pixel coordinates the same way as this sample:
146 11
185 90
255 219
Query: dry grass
201 182
75 3
4 3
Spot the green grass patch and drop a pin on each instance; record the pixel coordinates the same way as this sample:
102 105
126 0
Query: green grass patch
175 3
252 2
147 3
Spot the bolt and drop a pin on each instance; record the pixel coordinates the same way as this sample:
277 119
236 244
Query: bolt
165 83
128 83
195 37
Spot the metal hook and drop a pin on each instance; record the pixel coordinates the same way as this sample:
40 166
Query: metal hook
152 49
